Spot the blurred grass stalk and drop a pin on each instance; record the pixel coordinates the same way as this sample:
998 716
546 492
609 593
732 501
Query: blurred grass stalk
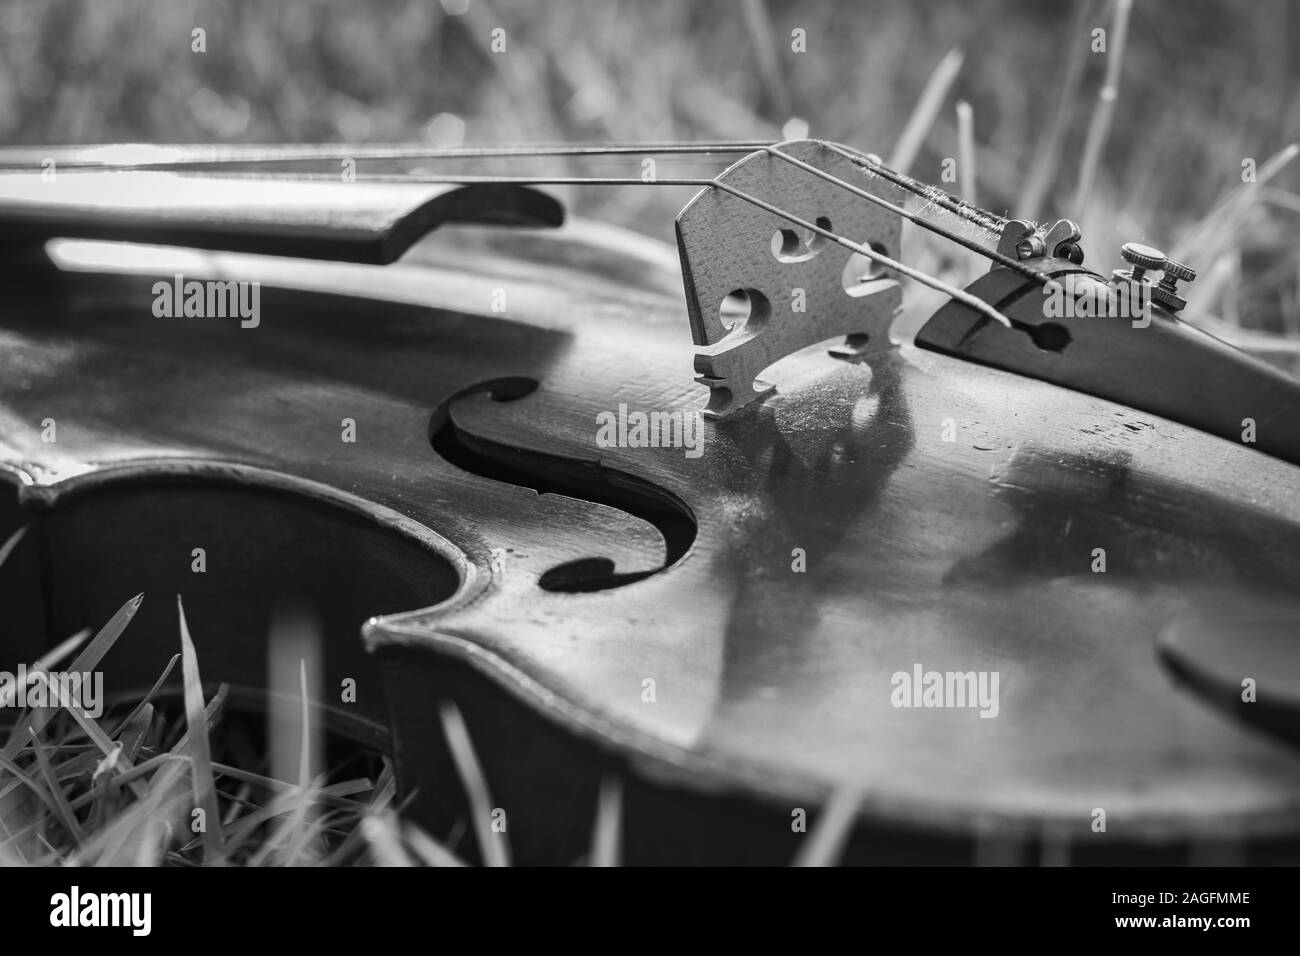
492 844
1103 113
966 152
829 836
295 666
1045 163
761 33
921 120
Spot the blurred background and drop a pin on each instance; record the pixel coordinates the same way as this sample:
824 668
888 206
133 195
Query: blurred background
1203 86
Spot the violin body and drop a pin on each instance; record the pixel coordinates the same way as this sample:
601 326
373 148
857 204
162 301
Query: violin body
740 620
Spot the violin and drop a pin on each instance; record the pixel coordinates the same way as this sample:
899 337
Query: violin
735 518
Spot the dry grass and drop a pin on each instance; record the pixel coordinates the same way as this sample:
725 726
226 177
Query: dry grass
146 785
153 783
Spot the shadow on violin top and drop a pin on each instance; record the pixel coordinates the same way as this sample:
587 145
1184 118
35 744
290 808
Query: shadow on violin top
1161 530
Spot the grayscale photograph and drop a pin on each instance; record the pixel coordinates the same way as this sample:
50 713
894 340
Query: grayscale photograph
642 434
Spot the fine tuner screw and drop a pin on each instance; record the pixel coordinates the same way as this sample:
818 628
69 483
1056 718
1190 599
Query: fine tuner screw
1166 293
1177 272
1142 259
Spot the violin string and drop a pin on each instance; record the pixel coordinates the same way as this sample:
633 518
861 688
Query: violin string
960 240
974 302
226 158
956 238
202 156
474 179
199 157
932 194
243 158
880 259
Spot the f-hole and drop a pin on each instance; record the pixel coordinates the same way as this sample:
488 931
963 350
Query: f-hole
546 473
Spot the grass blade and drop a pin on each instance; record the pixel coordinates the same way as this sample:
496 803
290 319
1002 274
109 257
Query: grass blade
95 651
12 542
380 831
826 841
45 662
1218 230
496 851
60 800
120 837
147 699
1104 112
86 661
32 784
966 151
157 836
759 24
205 788
429 850
1047 155
92 730
608 829
926 109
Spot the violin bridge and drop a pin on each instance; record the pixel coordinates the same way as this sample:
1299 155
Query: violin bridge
759 287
